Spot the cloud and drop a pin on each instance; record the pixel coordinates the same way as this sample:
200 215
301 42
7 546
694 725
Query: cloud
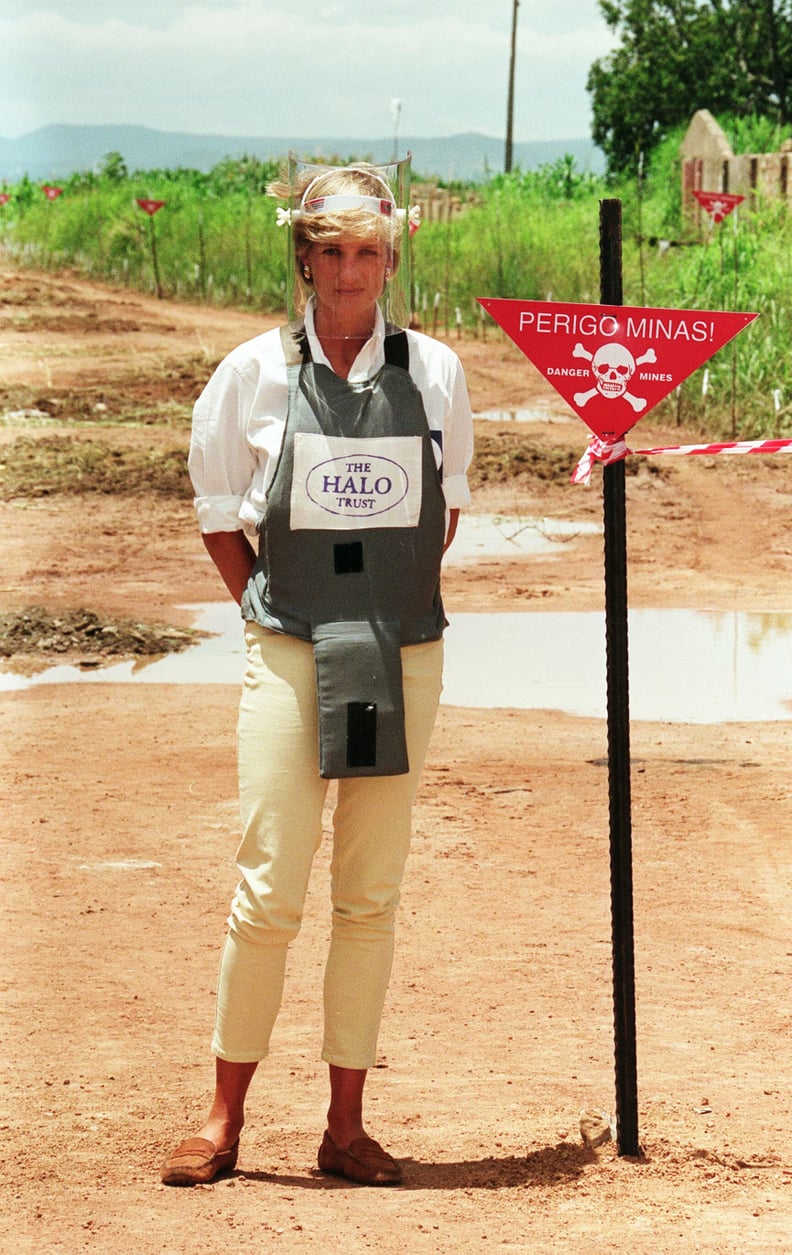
259 67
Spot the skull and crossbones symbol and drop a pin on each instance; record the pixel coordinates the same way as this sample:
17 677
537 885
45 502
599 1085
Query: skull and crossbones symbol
613 366
718 209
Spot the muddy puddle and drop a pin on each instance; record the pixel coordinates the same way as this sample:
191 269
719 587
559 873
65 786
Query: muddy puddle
686 666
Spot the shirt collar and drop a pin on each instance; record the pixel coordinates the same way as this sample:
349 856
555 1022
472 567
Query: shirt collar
369 360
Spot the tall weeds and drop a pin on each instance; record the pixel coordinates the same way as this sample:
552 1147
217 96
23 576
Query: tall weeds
532 236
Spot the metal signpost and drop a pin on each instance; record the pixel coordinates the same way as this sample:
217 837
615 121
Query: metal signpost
152 207
618 707
635 359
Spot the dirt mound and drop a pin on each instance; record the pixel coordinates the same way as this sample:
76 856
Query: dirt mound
39 633
40 466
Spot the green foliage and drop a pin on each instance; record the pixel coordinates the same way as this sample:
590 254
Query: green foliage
530 235
677 56
113 168
743 264
214 239
754 133
245 174
522 239
557 181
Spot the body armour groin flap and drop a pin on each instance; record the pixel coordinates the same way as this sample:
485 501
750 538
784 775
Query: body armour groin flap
361 704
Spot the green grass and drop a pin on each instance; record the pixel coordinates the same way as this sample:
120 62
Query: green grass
533 236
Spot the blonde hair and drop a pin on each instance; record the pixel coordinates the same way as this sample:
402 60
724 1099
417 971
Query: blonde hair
361 179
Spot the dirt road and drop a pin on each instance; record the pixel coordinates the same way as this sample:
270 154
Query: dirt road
119 830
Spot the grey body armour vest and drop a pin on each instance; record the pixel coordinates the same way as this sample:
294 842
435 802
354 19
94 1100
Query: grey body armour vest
350 548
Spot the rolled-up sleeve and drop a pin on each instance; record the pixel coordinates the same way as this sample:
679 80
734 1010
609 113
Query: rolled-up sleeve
458 442
221 461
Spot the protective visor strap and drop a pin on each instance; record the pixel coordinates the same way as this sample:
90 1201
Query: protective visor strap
336 204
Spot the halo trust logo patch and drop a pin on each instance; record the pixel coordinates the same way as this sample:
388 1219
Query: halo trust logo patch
342 482
354 486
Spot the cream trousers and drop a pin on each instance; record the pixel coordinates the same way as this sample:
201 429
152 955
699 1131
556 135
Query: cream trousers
282 797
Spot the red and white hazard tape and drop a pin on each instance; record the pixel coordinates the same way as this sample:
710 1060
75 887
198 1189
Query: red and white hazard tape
598 450
604 451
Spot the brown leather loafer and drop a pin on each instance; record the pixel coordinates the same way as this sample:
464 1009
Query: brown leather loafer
197 1161
364 1162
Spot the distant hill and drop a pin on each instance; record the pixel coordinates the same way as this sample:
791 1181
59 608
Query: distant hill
53 152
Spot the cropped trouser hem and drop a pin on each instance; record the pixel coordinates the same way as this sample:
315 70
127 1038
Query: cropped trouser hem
228 1059
282 798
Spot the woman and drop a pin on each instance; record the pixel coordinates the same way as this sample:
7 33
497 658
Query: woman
344 443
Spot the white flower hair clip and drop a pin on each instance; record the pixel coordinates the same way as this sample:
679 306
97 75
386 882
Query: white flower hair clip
330 204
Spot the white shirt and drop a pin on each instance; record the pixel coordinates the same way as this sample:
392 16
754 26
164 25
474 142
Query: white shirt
240 417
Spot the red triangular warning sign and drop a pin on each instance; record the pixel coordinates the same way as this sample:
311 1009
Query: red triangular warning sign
613 363
718 204
150 207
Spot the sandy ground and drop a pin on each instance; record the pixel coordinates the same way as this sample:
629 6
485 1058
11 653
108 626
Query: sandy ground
119 830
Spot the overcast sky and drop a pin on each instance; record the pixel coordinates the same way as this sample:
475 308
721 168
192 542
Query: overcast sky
315 67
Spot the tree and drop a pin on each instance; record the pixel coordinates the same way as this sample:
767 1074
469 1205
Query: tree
676 56
113 167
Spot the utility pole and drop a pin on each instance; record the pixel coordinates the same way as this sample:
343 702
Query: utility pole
507 158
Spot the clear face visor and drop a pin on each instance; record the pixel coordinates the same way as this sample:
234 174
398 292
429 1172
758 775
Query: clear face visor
358 201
